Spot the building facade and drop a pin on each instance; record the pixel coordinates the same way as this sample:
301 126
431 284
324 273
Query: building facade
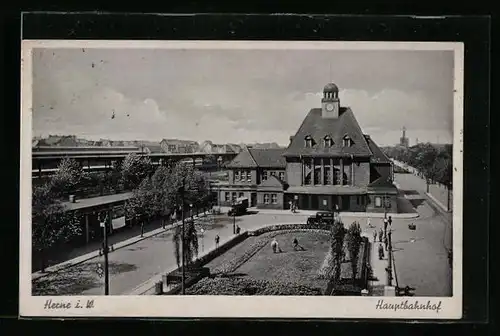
174 146
329 165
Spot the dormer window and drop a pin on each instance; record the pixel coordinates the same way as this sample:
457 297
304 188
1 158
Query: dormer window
309 142
347 141
328 142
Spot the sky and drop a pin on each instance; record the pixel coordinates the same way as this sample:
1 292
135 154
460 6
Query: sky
235 96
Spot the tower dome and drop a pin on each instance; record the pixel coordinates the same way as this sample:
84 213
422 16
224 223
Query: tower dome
331 87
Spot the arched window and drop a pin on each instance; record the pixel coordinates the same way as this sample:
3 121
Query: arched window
309 142
328 142
347 141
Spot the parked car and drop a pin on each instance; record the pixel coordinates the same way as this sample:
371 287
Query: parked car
239 207
322 217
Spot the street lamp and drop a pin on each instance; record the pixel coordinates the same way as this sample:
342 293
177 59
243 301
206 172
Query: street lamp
219 163
191 210
234 217
389 267
183 278
202 244
105 250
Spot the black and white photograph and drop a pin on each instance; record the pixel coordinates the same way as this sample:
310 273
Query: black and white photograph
259 179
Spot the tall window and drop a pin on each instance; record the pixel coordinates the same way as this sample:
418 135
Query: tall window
237 175
264 175
273 173
249 176
337 176
266 198
233 196
307 173
327 175
281 176
241 194
274 198
317 171
378 202
226 196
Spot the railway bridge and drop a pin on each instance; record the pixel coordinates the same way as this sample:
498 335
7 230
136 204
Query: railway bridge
45 160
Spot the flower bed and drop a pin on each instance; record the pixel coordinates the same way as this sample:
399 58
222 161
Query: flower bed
248 286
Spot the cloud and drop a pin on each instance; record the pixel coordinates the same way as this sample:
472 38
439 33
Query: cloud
237 96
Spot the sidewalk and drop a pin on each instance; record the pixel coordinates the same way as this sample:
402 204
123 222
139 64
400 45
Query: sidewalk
115 246
342 213
379 274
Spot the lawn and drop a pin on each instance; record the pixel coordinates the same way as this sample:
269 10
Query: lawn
299 266
252 264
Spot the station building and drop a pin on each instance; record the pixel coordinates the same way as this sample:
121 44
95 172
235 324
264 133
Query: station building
328 165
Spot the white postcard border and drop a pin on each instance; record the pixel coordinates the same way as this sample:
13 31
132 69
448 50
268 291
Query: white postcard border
239 306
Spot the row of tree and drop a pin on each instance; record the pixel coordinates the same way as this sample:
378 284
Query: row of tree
340 238
435 163
156 193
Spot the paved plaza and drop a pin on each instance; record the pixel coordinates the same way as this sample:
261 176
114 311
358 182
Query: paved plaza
420 255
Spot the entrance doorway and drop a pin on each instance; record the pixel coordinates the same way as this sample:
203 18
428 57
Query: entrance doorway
345 202
253 199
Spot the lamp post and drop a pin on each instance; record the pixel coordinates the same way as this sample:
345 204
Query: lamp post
105 250
183 277
234 217
191 211
389 267
202 243
219 163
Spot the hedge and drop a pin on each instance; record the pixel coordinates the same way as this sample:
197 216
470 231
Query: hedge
249 286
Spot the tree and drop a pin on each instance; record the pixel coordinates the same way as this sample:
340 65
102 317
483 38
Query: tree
134 169
143 202
190 243
67 178
337 243
51 224
354 245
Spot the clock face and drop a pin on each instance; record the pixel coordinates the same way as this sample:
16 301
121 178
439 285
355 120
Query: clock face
329 107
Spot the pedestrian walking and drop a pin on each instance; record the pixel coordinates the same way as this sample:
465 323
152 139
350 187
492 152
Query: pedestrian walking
380 252
217 238
369 223
238 229
274 245
291 206
386 243
142 229
374 236
380 235
385 226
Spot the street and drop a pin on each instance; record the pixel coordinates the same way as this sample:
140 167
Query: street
421 255
132 265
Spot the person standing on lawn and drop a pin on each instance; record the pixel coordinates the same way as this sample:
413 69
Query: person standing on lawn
217 238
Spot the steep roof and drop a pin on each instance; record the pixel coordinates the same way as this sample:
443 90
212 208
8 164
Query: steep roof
269 157
265 158
378 155
317 127
243 160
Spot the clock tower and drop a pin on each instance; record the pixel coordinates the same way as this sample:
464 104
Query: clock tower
330 103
